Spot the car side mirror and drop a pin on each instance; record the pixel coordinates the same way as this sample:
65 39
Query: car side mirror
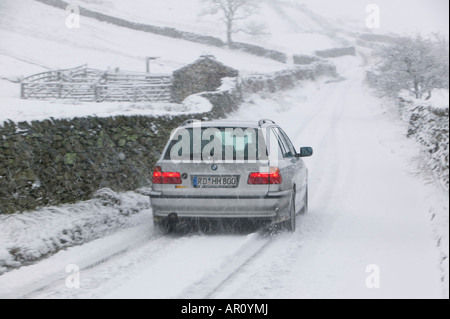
305 152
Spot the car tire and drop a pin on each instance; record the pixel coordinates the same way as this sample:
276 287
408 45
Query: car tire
305 202
292 222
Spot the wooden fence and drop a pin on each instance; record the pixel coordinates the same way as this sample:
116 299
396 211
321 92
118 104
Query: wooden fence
90 85
133 92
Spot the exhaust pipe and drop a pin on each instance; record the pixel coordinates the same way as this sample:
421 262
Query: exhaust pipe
172 218
172 221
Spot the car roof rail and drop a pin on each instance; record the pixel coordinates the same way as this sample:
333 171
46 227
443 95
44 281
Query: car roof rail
264 121
190 121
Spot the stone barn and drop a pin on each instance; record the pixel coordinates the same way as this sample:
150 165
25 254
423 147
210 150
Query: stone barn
204 75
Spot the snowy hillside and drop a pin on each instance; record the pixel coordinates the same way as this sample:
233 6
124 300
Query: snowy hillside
27 45
290 27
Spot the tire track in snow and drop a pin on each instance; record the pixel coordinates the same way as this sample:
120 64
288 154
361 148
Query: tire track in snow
52 285
326 149
331 105
213 282
320 101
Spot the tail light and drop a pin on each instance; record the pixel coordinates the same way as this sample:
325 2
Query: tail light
273 177
160 177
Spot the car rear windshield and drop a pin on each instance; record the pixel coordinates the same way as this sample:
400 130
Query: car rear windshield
222 143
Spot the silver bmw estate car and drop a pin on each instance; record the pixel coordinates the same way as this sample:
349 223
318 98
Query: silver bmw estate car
230 170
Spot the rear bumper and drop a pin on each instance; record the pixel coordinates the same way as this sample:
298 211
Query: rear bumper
272 206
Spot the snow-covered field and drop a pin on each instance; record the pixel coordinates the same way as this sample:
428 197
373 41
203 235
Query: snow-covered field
370 210
28 46
288 27
25 39
17 110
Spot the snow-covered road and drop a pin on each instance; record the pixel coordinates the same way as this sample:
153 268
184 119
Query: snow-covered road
369 221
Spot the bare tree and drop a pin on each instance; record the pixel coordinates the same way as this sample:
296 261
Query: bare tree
415 64
233 13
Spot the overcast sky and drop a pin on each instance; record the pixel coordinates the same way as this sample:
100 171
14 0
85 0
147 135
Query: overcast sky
400 16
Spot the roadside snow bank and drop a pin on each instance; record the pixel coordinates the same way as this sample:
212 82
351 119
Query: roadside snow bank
428 122
196 104
31 236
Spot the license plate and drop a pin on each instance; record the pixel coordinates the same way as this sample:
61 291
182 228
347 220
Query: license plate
215 181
